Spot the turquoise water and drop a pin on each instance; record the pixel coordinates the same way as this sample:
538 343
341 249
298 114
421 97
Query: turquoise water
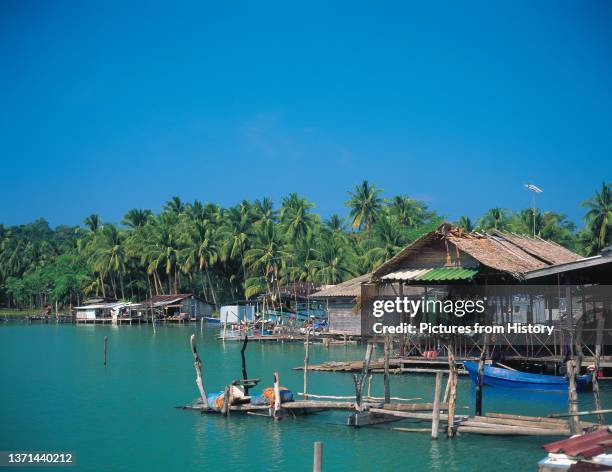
56 395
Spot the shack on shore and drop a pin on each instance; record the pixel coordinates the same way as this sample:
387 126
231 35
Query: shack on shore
341 303
176 307
100 312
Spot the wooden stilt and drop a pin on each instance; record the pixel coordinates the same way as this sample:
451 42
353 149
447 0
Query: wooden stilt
243 358
359 380
386 367
481 363
598 347
435 421
359 418
153 321
105 348
452 396
277 399
574 421
317 465
306 357
197 363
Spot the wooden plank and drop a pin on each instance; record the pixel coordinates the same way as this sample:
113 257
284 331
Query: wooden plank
521 429
326 405
516 432
524 423
413 415
412 430
413 406
524 417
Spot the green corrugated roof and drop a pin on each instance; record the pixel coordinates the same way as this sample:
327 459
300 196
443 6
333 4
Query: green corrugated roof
448 273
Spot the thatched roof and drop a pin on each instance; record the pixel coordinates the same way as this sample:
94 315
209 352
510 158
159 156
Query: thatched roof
350 288
501 251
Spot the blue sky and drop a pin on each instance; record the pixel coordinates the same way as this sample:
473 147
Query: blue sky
108 106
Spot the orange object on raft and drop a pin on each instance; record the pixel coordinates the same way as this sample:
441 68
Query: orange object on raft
268 393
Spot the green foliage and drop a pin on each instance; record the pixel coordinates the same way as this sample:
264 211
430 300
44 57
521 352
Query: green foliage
239 252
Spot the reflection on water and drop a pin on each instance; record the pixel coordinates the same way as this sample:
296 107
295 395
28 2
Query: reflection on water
57 395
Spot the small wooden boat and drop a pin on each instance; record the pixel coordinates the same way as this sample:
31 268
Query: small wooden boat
210 319
499 377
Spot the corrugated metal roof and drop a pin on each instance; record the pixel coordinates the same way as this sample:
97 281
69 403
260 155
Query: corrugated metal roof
586 445
432 274
447 273
406 274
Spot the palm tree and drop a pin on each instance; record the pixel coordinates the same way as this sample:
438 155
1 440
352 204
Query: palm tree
162 251
264 212
599 218
332 263
175 205
110 256
93 222
466 223
365 205
201 251
386 241
495 218
335 223
266 256
406 211
296 219
136 218
235 233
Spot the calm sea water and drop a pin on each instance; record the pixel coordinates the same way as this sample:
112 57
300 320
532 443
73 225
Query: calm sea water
56 395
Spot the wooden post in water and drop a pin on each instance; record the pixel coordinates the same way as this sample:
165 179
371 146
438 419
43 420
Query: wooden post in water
243 358
452 396
574 421
277 399
598 347
225 326
317 464
226 401
306 351
153 318
435 417
386 379
481 364
197 363
359 380
105 343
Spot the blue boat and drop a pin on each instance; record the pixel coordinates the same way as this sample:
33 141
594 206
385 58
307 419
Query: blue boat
210 319
498 377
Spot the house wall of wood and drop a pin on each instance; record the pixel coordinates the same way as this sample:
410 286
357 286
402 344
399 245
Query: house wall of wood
196 308
342 317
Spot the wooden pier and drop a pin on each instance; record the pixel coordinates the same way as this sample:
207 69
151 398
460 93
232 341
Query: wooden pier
442 413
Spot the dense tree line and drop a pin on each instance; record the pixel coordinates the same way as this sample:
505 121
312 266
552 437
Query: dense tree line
233 253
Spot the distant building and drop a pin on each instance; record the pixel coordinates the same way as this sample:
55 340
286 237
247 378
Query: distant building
96 311
341 302
179 306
